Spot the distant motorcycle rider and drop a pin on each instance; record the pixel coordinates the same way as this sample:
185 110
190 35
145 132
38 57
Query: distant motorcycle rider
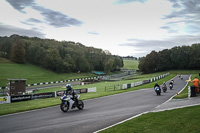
164 84
70 91
171 82
157 89
156 85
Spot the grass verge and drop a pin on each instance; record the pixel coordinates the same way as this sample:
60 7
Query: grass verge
183 120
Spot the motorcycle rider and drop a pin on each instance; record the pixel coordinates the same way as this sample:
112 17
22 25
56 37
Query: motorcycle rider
70 91
156 85
171 83
164 84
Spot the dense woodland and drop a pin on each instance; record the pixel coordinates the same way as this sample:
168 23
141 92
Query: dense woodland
176 58
64 56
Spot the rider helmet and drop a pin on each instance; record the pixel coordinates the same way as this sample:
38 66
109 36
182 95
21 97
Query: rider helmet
68 86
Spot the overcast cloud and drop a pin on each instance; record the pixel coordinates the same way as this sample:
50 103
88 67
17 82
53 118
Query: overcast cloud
124 27
10 30
53 18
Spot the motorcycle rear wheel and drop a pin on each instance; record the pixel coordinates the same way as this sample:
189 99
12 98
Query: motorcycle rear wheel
64 107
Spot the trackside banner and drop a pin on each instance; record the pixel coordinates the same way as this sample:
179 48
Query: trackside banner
20 98
5 99
77 91
43 95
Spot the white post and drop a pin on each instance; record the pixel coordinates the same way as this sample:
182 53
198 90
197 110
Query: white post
189 92
55 94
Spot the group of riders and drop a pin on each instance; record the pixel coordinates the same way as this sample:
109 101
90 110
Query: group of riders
196 83
164 87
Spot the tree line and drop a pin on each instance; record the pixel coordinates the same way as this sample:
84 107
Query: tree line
58 56
179 57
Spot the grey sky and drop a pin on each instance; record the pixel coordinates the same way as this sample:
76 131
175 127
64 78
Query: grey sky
124 27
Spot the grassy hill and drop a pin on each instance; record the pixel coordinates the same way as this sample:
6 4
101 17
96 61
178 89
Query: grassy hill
32 73
131 64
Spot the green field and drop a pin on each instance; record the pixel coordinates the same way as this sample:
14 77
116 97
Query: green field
131 64
34 74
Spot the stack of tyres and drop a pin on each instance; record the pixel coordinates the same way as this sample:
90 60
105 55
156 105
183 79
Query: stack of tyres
193 92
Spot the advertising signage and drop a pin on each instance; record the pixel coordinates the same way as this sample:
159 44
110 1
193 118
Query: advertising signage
60 93
43 95
20 98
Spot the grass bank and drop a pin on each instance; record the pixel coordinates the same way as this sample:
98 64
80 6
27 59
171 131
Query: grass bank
34 74
185 120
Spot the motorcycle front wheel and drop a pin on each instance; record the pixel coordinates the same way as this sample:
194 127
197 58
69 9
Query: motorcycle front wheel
64 107
80 105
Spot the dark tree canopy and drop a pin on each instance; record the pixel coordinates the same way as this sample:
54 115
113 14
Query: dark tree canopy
181 57
64 56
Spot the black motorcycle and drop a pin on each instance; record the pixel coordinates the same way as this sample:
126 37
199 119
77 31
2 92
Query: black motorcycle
157 90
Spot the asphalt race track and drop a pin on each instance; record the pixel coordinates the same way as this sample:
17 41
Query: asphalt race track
97 114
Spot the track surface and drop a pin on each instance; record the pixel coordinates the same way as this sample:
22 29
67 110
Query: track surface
97 114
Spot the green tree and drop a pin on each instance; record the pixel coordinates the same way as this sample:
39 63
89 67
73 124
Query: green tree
164 60
18 51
